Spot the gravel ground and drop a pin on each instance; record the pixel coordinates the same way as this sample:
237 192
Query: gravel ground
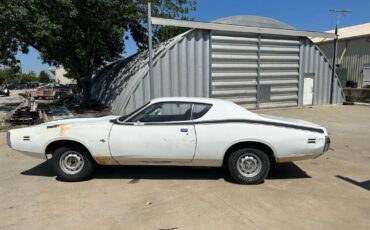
330 192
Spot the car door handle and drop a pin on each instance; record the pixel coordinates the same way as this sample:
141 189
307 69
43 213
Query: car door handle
184 130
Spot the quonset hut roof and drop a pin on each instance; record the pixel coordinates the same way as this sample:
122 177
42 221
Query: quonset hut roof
254 21
189 65
113 84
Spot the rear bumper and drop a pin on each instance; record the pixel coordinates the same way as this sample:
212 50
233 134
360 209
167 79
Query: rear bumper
8 142
327 144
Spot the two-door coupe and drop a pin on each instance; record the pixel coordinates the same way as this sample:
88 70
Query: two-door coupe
173 131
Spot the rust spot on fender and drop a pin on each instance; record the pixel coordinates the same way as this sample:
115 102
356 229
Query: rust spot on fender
105 160
62 130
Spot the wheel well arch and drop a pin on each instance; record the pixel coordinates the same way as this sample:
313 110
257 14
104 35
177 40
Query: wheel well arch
249 144
54 145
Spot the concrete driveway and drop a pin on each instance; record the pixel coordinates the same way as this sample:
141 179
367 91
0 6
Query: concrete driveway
330 192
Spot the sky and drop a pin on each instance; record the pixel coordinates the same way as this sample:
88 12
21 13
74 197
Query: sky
312 15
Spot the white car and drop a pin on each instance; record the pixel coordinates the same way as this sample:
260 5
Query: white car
174 131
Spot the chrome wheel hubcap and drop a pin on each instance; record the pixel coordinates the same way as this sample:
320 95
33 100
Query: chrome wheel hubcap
71 162
249 164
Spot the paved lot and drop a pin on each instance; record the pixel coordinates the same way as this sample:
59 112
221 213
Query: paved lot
331 192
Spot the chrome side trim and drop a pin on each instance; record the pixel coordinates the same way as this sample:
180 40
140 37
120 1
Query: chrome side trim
35 155
298 158
172 162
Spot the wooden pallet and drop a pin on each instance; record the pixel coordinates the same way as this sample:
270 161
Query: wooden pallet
25 114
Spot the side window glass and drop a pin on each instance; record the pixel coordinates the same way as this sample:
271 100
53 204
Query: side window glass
164 112
199 110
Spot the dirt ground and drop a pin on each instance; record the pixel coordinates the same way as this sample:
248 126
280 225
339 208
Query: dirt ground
330 192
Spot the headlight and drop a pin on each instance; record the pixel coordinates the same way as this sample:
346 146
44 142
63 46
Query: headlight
8 139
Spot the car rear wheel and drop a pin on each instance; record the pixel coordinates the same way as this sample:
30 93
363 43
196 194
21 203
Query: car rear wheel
72 164
248 166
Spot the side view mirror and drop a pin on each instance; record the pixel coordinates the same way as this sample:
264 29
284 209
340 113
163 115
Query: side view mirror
138 123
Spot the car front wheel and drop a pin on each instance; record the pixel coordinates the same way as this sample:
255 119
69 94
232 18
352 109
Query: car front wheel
248 166
72 164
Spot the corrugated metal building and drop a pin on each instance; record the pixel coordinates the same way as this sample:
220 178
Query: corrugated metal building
353 50
260 63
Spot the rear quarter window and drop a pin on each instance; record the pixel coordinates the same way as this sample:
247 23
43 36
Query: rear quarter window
199 110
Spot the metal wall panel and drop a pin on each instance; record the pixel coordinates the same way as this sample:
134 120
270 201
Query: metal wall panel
313 61
234 68
356 56
241 61
279 65
181 67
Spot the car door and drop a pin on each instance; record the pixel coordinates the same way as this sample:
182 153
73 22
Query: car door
161 132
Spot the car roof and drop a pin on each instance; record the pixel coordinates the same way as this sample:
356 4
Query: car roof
190 99
221 109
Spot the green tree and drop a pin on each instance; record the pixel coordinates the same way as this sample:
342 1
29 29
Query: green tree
81 35
8 75
26 77
44 77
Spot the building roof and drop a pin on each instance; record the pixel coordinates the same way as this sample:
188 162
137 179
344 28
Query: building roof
244 24
348 32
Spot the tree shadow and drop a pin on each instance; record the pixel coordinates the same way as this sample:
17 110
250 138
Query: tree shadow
135 173
363 184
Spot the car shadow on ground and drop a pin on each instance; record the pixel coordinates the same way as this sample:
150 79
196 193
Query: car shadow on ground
363 184
135 173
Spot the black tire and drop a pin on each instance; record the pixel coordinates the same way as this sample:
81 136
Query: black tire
68 155
243 173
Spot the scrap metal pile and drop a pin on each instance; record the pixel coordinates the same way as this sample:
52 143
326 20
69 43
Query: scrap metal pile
26 113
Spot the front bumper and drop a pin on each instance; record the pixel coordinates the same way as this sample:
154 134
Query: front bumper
327 144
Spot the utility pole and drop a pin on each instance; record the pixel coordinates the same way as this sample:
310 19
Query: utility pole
340 12
150 51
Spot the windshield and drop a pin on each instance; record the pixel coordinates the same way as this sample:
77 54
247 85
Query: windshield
124 117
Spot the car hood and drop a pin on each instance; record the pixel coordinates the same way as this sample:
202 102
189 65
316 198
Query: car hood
80 120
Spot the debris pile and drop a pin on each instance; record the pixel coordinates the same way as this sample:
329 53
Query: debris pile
26 114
